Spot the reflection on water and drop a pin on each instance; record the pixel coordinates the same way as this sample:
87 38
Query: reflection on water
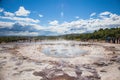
63 51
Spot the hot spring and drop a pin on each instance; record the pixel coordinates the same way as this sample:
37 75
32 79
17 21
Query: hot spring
63 50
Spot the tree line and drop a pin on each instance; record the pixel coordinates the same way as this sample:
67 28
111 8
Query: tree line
109 35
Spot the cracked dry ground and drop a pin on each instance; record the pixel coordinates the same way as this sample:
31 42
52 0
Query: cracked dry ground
14 66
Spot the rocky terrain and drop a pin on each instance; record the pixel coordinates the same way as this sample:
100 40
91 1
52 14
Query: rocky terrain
28 61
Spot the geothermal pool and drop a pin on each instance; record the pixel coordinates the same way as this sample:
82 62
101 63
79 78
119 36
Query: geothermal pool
63 50
59 60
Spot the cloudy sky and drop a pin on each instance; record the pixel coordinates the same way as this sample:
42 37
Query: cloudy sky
57 17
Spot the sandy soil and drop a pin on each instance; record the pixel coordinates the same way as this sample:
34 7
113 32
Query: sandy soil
27 61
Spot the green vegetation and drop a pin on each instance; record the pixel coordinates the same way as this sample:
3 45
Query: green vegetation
101 34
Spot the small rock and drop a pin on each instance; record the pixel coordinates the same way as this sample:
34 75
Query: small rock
38 63
14 74
101 64
15 68
2 63
70 72
63 77
59 74
78 71
118 68
39 73
18 63
115 59
103 71
118 60
86 74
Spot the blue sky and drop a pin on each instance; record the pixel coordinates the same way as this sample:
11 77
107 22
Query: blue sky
56 17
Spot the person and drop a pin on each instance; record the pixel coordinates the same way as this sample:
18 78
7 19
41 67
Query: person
113 39
117 40
108 39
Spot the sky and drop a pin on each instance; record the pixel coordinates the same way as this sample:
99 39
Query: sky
57 17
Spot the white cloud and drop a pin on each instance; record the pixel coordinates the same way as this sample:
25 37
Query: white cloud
26 33
9 14
6 24
22 12
35 26
23 24
77 17
22 33
105 13
88 25
55 22
77 26
40 15
93 14
1 9
24 21
28 20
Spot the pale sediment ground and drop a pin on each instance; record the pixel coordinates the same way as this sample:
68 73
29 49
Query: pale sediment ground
27 61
